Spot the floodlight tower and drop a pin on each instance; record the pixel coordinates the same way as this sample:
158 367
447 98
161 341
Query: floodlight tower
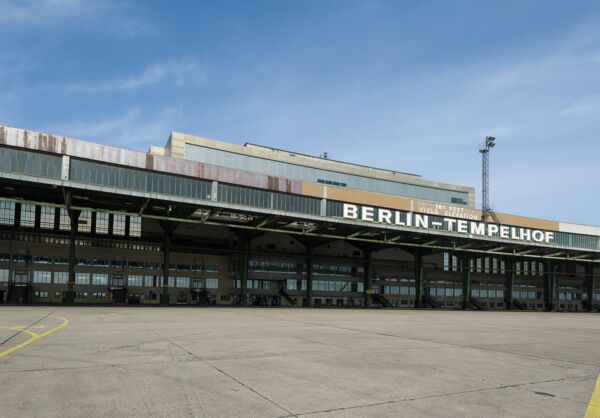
486 211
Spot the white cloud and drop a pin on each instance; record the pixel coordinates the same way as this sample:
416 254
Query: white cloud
179 72
588 106
108 16
133 129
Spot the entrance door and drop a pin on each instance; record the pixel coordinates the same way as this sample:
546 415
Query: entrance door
134 299
18 291
119 296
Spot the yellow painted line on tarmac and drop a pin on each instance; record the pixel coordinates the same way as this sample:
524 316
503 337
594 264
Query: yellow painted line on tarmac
33 336
593 409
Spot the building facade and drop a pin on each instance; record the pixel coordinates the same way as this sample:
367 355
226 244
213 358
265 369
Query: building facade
206 222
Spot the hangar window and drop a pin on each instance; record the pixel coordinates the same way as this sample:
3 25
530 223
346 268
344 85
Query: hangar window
4 274
135 280
84 223
43 277
47 217
211 283
41 259
99 279
27 215
135 226
102 222
7 213
61 277
149 281
118 224
183 282
65 220
82 278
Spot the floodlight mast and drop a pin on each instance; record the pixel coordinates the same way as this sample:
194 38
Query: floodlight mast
486 211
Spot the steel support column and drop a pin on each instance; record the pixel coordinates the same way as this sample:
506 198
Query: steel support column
309 275
366 277
69 297
509 281
244 259
550 286
418 273
590 285
165 296
465 265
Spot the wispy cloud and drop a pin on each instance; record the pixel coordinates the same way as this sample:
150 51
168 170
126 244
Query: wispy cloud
133 129
108 16
178 72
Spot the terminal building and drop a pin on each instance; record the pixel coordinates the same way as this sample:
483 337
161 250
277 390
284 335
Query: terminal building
204 222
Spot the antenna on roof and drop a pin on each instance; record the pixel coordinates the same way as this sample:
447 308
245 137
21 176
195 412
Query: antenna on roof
325 153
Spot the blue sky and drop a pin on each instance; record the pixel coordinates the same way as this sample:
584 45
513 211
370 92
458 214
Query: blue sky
408 85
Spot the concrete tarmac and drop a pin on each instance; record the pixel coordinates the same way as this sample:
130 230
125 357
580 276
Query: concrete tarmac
275 362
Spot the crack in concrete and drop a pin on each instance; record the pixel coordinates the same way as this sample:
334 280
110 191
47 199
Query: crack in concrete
428 341
290 414
441 395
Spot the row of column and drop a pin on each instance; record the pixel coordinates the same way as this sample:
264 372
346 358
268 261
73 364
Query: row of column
550 279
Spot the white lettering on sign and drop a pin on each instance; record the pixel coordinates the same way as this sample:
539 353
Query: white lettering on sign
462 226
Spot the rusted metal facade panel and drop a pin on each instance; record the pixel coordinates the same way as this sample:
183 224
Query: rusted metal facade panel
88 150
73 147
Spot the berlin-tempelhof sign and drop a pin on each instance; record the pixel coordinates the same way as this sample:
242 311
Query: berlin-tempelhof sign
462 226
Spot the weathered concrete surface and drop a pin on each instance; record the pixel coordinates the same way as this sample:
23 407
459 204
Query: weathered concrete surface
134 361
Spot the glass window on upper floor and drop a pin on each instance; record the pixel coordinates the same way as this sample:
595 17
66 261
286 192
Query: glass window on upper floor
298 172
84 223
27 215
135 280
65 220
61 277
47 217
7 213
100 279
119 224
43 277
102 222
135 226
82 278
211 283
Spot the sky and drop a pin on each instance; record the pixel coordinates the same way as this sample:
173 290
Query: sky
413 86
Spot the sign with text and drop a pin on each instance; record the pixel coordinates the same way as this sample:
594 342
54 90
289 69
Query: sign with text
467 225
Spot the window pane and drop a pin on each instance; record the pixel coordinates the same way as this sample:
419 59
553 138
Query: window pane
65 220
61 277
27 215
135 226
102 222
47 217
7 213
118 224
